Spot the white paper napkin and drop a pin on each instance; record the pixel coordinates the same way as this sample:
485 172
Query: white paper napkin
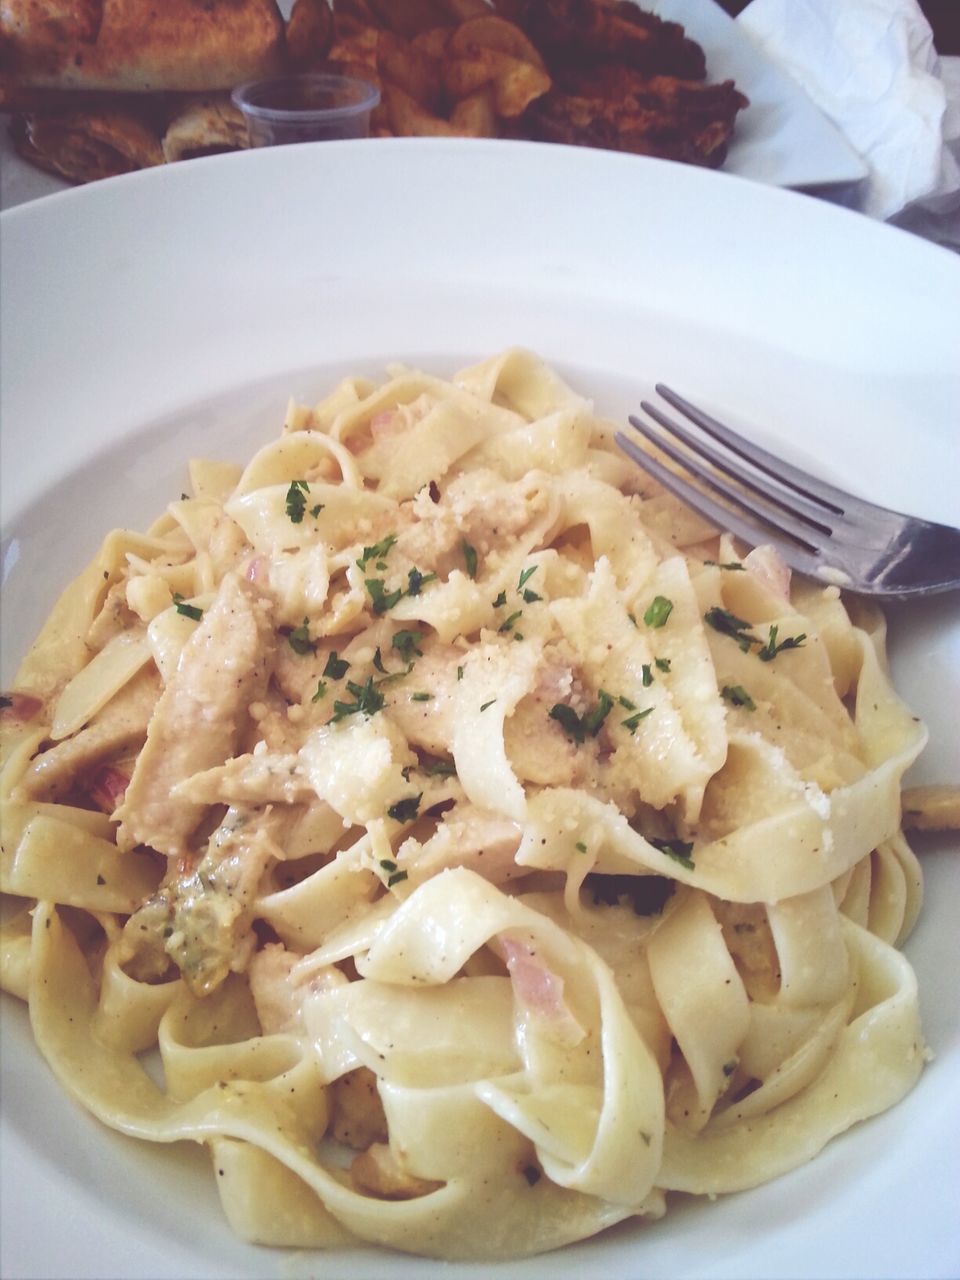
871 67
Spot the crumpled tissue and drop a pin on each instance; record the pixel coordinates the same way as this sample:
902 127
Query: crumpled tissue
871 68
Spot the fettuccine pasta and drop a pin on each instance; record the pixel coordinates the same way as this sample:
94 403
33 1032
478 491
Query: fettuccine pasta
484 846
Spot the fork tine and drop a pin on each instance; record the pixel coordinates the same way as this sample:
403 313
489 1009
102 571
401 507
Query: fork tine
819 490
788 500
782 521
751 531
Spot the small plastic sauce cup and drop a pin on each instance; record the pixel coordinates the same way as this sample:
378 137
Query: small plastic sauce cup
306 108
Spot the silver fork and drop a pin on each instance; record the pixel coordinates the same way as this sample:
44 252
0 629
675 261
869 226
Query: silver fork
818 529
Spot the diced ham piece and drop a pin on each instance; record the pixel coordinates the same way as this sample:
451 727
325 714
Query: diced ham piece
19 706
107 787
386 423
540 990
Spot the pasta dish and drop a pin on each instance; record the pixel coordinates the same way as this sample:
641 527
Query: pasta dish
458 836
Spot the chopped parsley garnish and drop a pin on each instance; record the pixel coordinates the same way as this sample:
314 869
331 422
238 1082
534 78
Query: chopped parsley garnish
728 624
377 551
406 644
500 600
580 847
484 705
469 557
737 696
658 611
321 691
730 564
297 500
678 850
382 599
187 610
416 579
577 727
378 662
770 650
526 576
595 718
299 639
508 624
459 673
631 722
396 878
625 702
405 810
368 700
662 664
568 720
647 675
388 864
315 510
420 697
336 668
530 597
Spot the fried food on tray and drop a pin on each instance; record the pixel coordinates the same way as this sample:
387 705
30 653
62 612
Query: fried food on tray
103 87
619 107
86 145
626 125
204 127
599 73
606 30
309 34
139 45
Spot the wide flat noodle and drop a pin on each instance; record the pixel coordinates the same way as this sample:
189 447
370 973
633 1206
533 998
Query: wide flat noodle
483 848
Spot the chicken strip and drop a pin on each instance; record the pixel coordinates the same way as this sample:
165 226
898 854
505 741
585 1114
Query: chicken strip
121 724
199 717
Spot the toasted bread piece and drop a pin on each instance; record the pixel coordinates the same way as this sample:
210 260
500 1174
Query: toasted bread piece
139 45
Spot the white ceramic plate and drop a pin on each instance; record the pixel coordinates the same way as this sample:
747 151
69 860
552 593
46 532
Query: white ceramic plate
170 314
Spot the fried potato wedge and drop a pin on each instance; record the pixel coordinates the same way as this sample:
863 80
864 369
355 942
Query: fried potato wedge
411 69
433 41
309 34
471 118
359 46
409 17
474 116
492 32
516 84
